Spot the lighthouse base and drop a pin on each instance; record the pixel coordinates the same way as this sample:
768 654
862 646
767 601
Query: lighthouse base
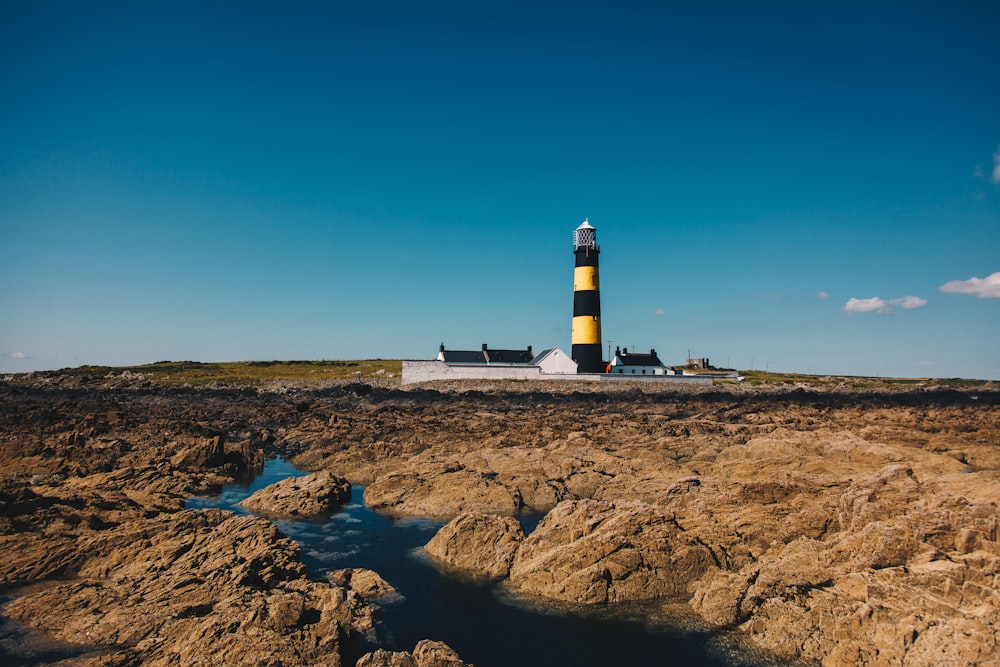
588 358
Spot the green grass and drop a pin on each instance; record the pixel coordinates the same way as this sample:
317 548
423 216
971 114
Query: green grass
241 373
763 377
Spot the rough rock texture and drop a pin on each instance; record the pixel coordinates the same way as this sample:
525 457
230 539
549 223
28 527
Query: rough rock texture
426 654
366 583
842 525
310 496
191 588
99 552
905 575
477 544
593 551
439 490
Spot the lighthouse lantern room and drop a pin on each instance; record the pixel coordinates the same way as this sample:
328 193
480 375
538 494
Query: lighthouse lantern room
585 237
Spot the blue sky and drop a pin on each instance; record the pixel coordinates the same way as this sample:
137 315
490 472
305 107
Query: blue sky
783 186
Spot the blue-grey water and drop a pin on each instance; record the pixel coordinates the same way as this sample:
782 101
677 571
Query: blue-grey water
478 620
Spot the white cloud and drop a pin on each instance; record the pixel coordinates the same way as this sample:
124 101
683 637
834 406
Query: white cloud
822 295
659 311
984 288
881 306
18 355
909 302
996 166
872 305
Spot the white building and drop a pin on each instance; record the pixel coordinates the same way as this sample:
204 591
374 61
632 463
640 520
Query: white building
624 363
552 364
490 364
554 361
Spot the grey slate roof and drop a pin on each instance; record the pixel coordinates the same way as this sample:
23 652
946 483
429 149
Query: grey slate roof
509 356
464 356
487 355
632 359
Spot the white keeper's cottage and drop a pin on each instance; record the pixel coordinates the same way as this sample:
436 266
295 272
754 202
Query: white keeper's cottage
624 363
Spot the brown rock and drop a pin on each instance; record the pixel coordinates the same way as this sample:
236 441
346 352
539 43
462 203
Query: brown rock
440 491
429 653
366 583
844 525
384 658
480 545
596 552
965 541
181 587
719 598
426 654
302 497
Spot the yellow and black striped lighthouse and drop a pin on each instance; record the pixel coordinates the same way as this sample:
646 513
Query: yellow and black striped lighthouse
586 301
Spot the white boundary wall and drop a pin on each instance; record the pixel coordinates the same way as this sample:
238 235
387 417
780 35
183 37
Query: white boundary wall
429 371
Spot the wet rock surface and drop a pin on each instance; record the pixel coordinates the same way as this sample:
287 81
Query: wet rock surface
843 526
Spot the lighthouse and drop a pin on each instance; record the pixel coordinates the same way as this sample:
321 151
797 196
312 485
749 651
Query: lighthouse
586 301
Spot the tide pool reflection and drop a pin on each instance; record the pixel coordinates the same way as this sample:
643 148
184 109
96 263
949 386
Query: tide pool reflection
477 619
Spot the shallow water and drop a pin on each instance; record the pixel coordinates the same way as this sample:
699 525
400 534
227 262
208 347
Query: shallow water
24 646
481 622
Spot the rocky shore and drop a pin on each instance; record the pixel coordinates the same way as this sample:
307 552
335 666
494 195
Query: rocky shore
834 526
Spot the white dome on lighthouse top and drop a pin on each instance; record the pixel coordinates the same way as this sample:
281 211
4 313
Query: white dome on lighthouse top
585 236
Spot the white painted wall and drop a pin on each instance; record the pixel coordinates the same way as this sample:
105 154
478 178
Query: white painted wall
429 371
558 361
625 369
